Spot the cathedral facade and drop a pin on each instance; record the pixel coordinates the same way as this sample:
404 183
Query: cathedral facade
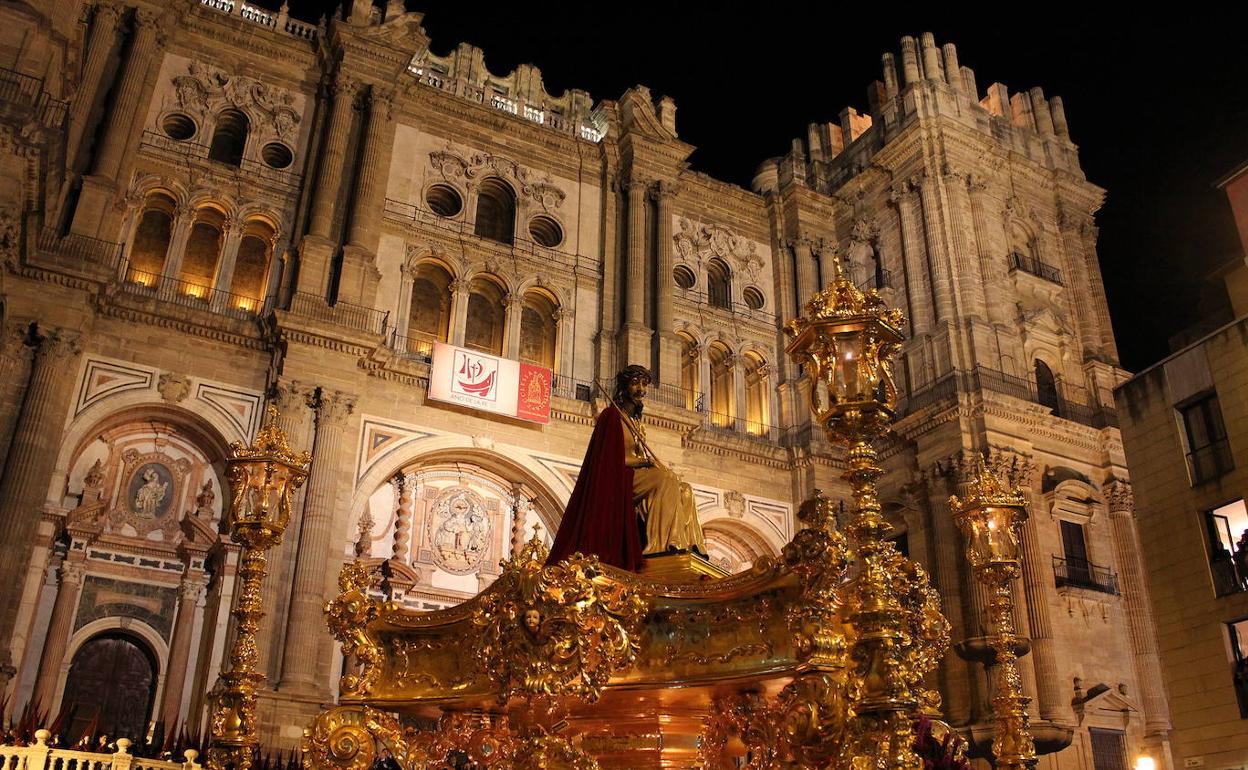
207 207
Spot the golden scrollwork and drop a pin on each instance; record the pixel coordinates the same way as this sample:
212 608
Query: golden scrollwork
558 630
348 616
741 727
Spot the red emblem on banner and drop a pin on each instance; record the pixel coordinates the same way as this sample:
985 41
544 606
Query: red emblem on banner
534 401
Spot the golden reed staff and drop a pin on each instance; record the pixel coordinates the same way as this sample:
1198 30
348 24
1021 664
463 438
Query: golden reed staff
632 428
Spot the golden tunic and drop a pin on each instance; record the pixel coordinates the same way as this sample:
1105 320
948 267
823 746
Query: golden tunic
664 502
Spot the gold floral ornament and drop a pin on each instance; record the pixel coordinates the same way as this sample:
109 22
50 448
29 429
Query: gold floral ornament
348 616
263 477
991 517
558 630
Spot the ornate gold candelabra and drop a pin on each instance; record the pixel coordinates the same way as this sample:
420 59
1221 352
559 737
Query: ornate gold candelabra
846 341
262 478
991 517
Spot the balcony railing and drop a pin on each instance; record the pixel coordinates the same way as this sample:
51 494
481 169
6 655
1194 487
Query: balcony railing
346 314
411 348
673 395
38 755
1209 462
19 91
1035 267
880 279
194 295
1080 573
570 387
78 248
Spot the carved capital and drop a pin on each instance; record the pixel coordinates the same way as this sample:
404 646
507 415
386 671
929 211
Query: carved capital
636 186
460 286
334 407
382 104
1120 498
71 573
289 397
190 589
344 87
664 190
107 12
58 346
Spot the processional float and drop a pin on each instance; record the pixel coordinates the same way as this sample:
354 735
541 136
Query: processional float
822 658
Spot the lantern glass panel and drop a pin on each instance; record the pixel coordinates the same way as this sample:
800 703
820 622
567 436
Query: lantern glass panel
846 381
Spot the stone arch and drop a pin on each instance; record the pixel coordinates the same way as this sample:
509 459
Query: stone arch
149 636
486 322
721 388
743 541
494 213
539 330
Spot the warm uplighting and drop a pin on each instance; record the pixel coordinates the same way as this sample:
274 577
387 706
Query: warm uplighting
1145 762
247 304
196 291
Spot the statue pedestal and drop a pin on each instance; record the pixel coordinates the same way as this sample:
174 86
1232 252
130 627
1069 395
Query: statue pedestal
683 567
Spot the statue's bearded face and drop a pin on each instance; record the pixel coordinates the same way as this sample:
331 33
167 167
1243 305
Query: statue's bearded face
637 389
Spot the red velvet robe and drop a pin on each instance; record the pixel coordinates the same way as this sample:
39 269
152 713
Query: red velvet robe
600 519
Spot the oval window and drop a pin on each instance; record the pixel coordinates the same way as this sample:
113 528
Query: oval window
443 200
545 232
277 155
753 298
683 276
178 127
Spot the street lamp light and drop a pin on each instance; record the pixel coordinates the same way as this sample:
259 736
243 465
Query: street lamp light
262 477
990 517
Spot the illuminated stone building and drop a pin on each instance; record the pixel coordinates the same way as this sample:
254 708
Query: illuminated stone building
206 206
1184 425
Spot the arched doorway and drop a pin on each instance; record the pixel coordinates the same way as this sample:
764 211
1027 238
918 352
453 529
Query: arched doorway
111 687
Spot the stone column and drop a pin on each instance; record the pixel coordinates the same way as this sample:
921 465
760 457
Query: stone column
231 238
183 221
99 45
513 309
669 343
828 254
1139 615
965 262
945 555
565 340
807 281
459 310
70 576
28 468
914 258
360 275
125 106
739 409
180 649
317 251
405 486
977 189
938 265
295 418
637 333
1109 347
306 625
1075 275
1054 703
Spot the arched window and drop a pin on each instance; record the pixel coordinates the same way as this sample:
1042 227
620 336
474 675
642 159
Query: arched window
151 239
1046 387
111 684
484 329
537 330
757 395
690 371
203 250
496 211
251 265
718 284
430 317
229 138
721 385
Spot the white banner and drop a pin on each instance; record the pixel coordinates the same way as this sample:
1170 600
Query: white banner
489 383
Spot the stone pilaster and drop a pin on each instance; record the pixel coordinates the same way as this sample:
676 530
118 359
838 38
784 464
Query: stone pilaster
988 261
636 333
513 308
967 275
191 590
31 458
827 255
70 576
914 258
459 309
300 673
100 43
1078 286
669 344
1139 614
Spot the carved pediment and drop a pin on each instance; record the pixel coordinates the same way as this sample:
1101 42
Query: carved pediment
463 170
697 244
206 89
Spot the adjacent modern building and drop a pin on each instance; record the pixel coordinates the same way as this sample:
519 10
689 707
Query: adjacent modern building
1185 425
206 207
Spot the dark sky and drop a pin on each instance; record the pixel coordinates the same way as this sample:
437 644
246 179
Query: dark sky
1158 105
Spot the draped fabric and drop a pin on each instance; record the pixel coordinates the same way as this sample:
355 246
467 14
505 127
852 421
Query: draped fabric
600 519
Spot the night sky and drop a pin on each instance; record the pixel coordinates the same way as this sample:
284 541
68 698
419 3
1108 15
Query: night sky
1158 105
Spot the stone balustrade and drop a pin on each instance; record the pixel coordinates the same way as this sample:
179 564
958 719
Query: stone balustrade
41 756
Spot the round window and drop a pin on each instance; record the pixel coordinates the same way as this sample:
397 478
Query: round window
545 232
178 126
277 155
683 276
753 298
443 200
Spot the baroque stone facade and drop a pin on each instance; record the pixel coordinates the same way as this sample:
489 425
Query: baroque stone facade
208 206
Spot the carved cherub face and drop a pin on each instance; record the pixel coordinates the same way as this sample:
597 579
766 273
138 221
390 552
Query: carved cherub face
532 620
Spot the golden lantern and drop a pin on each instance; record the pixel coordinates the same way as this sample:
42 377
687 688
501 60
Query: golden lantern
845 341
990 517
263 477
